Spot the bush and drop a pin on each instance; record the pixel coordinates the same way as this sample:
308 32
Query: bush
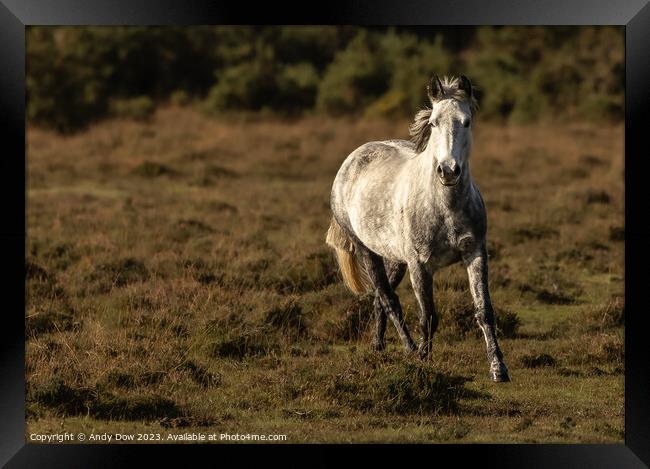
316 45
248 85
357 76
74 72
76 75
66 85
526 73
180 98
412 62
296 86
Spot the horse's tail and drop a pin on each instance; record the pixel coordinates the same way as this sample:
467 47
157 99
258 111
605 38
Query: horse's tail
354 275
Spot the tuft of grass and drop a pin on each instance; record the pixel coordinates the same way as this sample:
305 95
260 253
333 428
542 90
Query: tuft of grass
97 402
222 207
533 232
611 351
206 278
61 397
48 305
133 407
553 298
62 255
314 272
186 421
287 317
402 388
591 160
243 343
357 315
151 169
418 389
616 233
220 172
35 271
194 226
568 423
58 317
455 431
610 430
118 273
508 323
574 254
538 361
40 283
187 229
457 317
597 197
121 379
577 173
607 315
523 424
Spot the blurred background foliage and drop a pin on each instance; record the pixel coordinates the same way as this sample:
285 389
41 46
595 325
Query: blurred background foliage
77 75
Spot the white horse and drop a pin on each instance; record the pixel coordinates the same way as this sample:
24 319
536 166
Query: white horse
399 204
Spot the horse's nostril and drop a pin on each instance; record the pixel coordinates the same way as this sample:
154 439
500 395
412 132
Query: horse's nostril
457 171
439 170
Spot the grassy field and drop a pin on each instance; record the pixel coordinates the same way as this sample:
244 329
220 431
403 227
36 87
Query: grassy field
178 281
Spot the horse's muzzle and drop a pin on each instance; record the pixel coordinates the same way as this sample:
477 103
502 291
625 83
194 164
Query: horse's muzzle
449 173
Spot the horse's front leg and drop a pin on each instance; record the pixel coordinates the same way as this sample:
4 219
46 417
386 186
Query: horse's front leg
422 282
477 272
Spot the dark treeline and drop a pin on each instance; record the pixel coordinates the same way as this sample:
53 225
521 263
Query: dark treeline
76 75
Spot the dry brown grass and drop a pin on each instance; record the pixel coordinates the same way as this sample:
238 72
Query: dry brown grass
178 278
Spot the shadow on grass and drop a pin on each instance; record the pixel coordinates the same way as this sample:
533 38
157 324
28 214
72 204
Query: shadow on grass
101 404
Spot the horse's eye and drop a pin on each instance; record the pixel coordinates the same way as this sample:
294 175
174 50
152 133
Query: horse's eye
466 123
432 123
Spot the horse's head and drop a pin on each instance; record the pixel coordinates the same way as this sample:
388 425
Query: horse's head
444 132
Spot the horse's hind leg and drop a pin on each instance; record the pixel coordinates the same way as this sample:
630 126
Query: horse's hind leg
395 272
388 299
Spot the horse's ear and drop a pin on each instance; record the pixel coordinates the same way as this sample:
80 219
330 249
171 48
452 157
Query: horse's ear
434 88
465 85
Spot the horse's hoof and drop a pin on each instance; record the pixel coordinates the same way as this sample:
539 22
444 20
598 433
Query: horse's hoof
378 346
499 373
411 349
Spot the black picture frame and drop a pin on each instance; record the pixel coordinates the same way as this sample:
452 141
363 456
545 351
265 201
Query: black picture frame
15 15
